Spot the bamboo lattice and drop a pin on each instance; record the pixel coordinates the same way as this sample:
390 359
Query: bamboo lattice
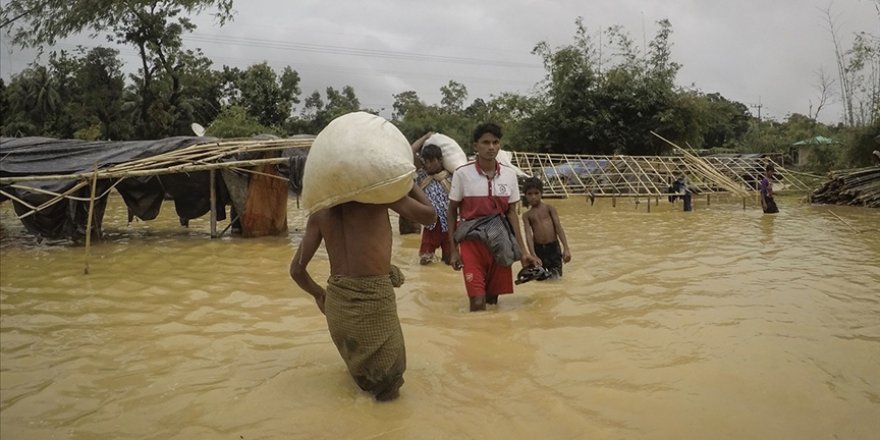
197 157
565 175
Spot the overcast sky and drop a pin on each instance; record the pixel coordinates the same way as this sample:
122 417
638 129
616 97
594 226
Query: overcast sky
751 51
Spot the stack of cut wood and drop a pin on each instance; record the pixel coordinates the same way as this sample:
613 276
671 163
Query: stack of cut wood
858 187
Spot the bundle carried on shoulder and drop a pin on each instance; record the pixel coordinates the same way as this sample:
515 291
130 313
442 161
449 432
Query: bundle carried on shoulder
358 157
453 154
506 158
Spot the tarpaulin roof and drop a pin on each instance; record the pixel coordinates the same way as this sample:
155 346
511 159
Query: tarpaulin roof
66 218
47 179
816 140
34 156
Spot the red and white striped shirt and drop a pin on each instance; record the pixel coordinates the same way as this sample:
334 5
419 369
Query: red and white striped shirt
479 195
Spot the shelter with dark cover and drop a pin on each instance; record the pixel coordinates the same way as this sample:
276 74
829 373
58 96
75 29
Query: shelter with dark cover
44 213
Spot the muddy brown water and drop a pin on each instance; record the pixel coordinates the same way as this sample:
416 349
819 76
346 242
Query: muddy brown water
721 323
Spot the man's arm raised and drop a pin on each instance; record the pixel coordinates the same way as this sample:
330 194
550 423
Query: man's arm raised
415 206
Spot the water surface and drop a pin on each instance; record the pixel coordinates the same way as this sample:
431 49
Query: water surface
720 323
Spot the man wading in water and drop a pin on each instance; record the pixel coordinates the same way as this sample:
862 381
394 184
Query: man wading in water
359 302
487 240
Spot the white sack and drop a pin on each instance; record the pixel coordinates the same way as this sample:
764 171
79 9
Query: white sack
506 157
453 155
358 157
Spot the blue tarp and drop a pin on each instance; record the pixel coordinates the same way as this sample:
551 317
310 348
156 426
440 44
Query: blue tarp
581 168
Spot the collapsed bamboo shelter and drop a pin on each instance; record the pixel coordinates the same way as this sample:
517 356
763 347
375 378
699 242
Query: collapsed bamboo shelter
646 176
858 187
60 188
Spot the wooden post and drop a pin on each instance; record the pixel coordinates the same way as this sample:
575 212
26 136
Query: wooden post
212 179
613 202
91 213
657 201
637 203
649 205
708 199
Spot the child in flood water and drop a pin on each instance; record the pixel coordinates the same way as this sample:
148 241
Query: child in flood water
544 233
435 182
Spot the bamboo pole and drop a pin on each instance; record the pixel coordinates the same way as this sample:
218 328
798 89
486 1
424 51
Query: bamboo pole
152 172
57 199
91 213
229 225
213 199
709 171
12 197
65 195
273 176
844 221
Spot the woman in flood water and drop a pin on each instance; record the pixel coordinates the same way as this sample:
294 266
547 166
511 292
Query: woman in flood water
767 202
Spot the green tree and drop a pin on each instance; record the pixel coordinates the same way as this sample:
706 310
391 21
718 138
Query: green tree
153 27
862 141
516 115
265 95
33 102
453 97
308 120
4 103
235 122
101 86
448 118
721 122
591 107
404 103
202 94
317 112
858 71
340 102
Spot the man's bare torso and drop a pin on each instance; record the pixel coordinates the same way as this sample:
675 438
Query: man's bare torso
357 237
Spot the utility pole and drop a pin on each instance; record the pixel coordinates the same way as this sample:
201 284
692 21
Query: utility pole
758 106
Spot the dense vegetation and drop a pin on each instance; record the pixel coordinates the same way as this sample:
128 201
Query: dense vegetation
586 104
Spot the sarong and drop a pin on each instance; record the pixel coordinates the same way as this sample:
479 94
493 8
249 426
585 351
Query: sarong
770 204
362 317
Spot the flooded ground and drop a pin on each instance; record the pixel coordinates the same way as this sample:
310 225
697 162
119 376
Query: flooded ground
721 323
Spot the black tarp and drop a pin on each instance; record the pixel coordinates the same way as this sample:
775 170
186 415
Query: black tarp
38 156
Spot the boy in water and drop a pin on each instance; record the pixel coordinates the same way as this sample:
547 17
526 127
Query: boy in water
543 230
435 182
359 302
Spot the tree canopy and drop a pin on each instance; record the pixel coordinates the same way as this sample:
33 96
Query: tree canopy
593 100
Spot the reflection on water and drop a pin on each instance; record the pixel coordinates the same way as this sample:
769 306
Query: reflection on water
716 323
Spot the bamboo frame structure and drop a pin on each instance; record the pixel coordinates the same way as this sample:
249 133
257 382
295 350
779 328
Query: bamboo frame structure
206 156
616 176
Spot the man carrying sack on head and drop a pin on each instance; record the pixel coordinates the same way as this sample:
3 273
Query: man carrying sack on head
351 218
